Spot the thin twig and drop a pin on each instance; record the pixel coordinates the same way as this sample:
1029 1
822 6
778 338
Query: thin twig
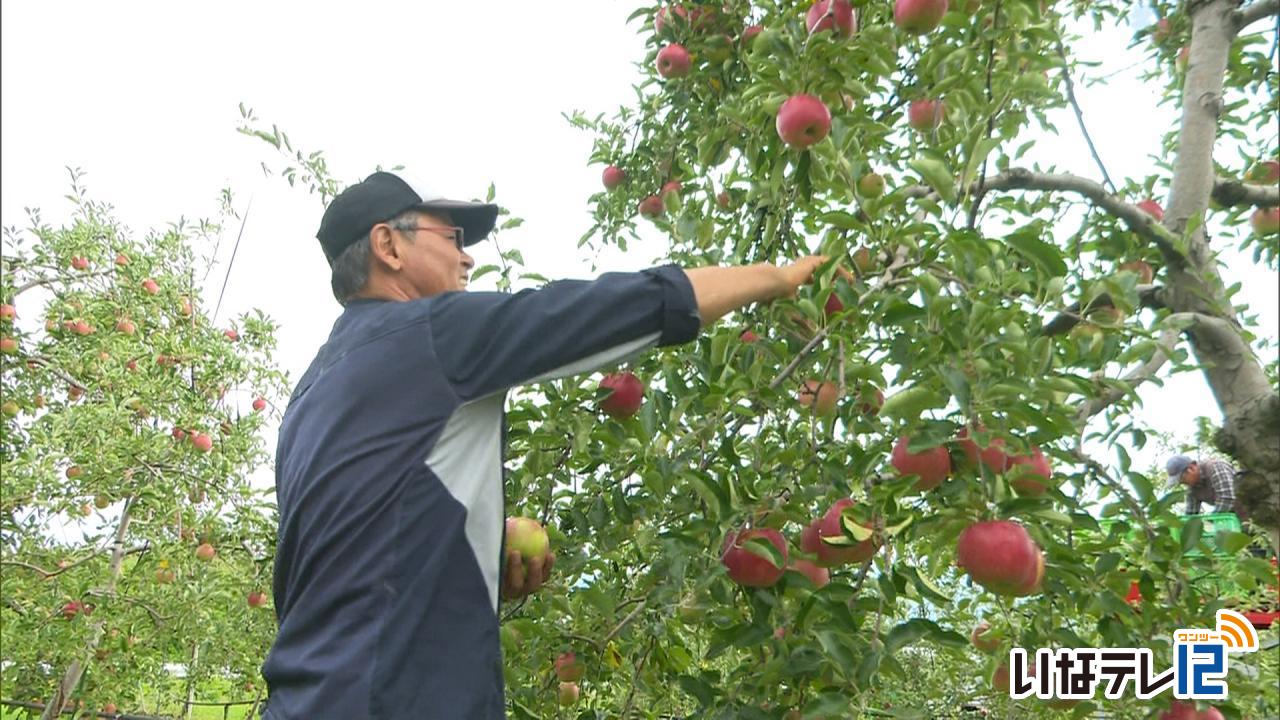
1075 105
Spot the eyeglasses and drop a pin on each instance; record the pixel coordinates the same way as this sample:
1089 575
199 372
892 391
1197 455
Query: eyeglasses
453 231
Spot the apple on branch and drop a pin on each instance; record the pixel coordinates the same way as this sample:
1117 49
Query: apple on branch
674 61
750 566
918 16
926 115
803 120
613 177
626 397
843 18
930 466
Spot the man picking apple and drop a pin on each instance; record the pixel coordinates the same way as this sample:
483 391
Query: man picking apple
389 466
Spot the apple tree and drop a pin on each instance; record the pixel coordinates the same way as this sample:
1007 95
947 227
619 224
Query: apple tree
982 327
132 540
853 503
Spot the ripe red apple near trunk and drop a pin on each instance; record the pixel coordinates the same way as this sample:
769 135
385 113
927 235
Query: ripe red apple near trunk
918 16
803 120
627 395
1000 556
1265 221
673 61
829 526
1142 269
843 18
746 566
1152 208
931 466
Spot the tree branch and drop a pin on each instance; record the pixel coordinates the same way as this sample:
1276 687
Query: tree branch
1246 16
1149 296
1233 193
1138 221
1075 105
1137 376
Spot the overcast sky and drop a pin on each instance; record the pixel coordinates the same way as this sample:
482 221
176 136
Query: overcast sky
143 96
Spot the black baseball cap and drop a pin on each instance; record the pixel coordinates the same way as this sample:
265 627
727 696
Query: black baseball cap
382 196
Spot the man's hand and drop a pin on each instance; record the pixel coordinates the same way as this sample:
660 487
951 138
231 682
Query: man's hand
799 273
520 580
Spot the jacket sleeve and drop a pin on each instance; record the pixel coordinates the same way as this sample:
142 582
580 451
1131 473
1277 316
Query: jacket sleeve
488 342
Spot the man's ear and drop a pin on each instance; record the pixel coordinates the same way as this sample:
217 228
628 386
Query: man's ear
384 248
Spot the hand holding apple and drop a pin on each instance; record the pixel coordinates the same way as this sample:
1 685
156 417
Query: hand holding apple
527 556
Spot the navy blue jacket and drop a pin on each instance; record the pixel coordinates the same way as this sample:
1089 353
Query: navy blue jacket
389 481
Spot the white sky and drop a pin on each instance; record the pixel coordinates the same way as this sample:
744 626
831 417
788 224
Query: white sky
143 96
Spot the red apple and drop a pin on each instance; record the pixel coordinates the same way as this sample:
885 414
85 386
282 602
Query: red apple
179 433
205 552
673 61
982 640
7 312
926 115
660 18
164 576
259 404
627 395
652 207
1000 556
131 366
871 185
122 259
748 337
1143 270
80 263
872 399
1266 172
1152 208
1163 30
1265 221
828 526
918 16
844 19
74 472
1183 710
819 576
75 392
671 187
569 668
1032 474
750 32
109 709
86 509
202 442
723 200
71 609
1000 678
568 694
8 346
613 176
833 304
820 396
184 307
150 286
231 334
256 599
992 456
803 120
127 327
527 537
930 466
80 327
748 568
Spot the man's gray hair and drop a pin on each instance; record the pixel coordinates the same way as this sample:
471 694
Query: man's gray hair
351 268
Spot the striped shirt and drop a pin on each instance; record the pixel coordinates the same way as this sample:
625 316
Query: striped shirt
1216 486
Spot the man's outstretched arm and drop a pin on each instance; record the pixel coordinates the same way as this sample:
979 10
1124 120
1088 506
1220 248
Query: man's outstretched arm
721 290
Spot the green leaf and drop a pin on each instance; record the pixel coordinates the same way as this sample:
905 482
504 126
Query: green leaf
841 219
765 549
851 526
937 175
702 691
910 403
1040 253
1232 542
1191 532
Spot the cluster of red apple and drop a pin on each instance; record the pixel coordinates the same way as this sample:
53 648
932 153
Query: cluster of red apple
569 670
